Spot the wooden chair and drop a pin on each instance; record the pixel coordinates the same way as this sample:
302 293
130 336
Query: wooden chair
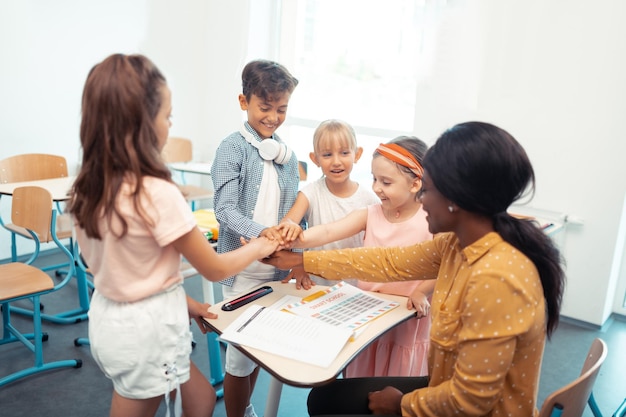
32 167
32 209
181 150
570 400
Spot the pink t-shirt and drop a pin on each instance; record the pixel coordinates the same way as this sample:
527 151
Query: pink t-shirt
403 350
143 262
380 232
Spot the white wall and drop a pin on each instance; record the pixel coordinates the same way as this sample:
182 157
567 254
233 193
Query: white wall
549 72
552 74
47 49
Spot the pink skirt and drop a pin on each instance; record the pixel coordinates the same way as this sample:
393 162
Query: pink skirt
402 351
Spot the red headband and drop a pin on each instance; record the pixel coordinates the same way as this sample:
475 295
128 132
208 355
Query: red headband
398 154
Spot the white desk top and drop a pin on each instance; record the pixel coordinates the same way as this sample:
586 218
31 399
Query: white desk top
298 373
58 187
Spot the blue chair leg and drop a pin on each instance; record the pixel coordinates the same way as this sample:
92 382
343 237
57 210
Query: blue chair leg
11 335
594 406
621 410
81 341
557 410
13 248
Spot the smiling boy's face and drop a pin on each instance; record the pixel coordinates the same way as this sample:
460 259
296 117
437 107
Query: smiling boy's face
265 116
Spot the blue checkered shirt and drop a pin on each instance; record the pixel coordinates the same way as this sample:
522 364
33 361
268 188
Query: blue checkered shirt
237 171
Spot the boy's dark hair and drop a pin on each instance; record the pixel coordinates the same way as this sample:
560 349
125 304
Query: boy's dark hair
266 80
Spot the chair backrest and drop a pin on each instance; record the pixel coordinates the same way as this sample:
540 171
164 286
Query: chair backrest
31 209
32 167
177 150
570 401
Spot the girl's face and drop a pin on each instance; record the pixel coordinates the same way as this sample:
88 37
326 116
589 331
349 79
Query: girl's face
336 158
162 122
394 187
436 207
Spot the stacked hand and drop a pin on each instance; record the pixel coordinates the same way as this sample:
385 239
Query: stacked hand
287 233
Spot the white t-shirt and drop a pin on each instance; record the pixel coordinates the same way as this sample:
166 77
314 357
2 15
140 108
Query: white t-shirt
143 262
265 212
325 207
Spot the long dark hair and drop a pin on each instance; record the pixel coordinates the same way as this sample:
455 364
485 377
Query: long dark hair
121 99
483 169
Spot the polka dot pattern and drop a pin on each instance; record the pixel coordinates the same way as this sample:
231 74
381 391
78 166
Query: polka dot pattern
488 330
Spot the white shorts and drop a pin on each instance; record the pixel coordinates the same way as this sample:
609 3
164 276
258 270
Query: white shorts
235 362
143 347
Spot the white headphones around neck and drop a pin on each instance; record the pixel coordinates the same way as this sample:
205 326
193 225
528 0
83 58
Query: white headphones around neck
269 149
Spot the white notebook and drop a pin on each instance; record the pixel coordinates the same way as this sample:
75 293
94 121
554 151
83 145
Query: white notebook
285 334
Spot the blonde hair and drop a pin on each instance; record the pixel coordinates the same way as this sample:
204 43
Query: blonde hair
334 129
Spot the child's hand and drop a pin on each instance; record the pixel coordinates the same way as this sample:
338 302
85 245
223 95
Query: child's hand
419 302
264 246
303 280
197 311
290 231
273 233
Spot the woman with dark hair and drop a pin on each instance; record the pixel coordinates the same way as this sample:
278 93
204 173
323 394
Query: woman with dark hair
499 286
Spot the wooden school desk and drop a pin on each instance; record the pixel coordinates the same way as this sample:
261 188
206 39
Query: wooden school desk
300 374
59 188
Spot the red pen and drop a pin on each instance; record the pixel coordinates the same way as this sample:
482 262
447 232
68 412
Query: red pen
246 298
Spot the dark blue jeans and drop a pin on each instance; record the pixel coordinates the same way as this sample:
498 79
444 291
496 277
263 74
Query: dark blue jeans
348 397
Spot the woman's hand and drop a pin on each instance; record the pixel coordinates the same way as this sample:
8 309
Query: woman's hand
386 402
285 260
418 301
198 311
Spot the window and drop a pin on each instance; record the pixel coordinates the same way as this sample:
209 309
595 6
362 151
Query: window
357 60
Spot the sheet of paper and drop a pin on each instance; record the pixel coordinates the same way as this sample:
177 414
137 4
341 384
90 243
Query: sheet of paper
284 334
284 301
343 305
